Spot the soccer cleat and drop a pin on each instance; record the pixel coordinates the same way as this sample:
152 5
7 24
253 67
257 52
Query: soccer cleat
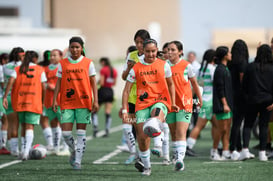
50 150
146 172
215 156
166 161
14 153
235 155
262 156
151 127
72 158
63 153
157 151
245 155
4 151
190 152
139 165
123 148
130 159
77 166
179 166
226 155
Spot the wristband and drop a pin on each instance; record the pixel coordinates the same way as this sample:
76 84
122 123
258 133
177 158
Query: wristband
124 111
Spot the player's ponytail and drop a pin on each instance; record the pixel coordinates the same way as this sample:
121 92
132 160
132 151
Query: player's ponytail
29 57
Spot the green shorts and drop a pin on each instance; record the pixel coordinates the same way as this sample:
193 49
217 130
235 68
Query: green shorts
206 111
181 116
52 115
82 116
144 114
222 116
10 109
29 117
2 109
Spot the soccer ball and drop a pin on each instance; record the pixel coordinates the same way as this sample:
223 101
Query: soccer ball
37 152
152 127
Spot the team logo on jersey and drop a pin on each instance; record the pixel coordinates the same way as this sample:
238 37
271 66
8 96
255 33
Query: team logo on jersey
22 93
143 96
69 93
73 79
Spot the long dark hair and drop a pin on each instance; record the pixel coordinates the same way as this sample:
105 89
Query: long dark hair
221 52
29 56
46 60
14 54
107 63
3 56
239 52
143 34
208 57
264 56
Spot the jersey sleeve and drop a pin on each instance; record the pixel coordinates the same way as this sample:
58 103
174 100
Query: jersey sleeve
59 72
168 71
92 70
131 76
43 77
191 72
13 74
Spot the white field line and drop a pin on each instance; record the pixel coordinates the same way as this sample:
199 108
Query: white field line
88 138
10 163
107 157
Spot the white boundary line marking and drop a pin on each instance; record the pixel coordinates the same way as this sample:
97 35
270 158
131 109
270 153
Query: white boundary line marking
10 163
88 138
107 157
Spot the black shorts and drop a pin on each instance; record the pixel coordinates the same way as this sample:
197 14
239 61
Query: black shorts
131 108
105 94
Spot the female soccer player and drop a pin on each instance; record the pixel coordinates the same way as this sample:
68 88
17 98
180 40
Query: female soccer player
108 77
15 59
183 77
155 95
77 85
257 85
28 90
205 79
222 100
133 58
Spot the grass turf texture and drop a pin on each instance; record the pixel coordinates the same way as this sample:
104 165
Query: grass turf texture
196 168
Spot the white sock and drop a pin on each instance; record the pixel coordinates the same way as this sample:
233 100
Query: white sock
108 121
14 145
95 120
174 148
158 140
145 158
23 144
81 144
130 139
191 142
28 140
68 138
57 133
48 136
180 150
165 143
4 137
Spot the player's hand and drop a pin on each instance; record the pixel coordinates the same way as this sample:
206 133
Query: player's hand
130 64
270 107
5 103
175 108
226 108
95 107
55 106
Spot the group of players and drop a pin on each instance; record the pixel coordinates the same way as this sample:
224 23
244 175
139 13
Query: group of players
157 99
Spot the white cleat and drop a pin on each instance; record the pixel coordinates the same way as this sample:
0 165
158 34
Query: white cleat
262 156
235 155
215 156
146 172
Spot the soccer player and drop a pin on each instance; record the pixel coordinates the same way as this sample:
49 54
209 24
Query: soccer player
133 58
205 79
15 59
77 85
28 89
183 77
222 100
54 117
108 77
155 95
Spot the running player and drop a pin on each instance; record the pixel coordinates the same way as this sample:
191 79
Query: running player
77 85
155 96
